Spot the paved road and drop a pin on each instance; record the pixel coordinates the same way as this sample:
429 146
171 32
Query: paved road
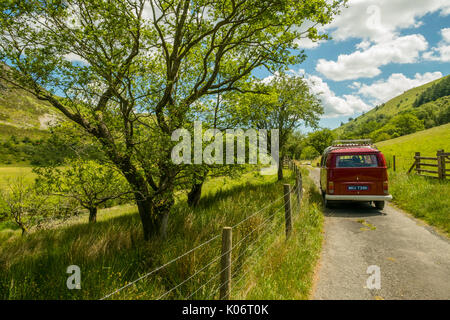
414 261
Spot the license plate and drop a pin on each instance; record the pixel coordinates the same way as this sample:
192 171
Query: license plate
357 188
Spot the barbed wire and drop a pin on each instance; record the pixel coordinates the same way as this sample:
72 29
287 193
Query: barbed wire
213 260
161 267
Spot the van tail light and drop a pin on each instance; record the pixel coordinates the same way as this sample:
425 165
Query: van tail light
385 187
331 187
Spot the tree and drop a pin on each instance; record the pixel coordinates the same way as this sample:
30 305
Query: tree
87 182
129 71
20 202
406 123
285 103
309 153
321 139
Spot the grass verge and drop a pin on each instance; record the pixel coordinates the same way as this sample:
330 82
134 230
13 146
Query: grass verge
112 252
424 198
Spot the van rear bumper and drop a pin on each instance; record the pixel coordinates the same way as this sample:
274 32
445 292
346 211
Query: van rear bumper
358 197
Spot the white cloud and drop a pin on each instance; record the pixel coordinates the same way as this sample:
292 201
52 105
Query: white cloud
335 106
397 83
446 34
306 43
377 20
442 51
366 63
72 57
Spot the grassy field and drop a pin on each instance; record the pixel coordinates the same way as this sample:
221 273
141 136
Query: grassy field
427 142
112 252
11 173
425 198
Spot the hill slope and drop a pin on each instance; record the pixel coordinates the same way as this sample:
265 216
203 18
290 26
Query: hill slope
379 123
427 142
23 124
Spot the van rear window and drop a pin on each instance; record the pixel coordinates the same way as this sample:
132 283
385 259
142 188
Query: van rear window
356 160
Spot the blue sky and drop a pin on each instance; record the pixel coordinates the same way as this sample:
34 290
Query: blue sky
379 50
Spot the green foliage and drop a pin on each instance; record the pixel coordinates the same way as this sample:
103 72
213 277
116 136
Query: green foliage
294 145
436 91
85 181
309 153
319 140
139 77
22 204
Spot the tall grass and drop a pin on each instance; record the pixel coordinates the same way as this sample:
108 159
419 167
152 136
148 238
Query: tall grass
112 252
425 198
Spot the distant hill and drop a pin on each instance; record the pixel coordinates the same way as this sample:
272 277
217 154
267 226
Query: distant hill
24 122
403 114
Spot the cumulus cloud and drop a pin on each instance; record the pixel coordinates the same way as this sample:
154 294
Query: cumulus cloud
384 90
335 106
442 51
377 20
366 63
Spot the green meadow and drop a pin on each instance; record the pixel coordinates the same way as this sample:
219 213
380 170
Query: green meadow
111 253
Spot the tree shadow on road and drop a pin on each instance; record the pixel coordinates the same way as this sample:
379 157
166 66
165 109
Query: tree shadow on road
348 209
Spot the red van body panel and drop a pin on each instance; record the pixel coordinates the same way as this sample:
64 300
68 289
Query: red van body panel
354 173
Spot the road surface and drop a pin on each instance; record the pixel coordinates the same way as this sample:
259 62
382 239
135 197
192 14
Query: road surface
413 260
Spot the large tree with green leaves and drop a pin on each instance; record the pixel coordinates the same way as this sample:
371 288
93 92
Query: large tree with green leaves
129 71
320 139
284 102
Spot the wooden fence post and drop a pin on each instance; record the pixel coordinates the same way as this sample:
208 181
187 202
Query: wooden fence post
298 186
287 209
417 162
441 164
225 264
444 170
393 159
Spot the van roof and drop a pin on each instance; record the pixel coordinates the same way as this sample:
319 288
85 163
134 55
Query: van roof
367 149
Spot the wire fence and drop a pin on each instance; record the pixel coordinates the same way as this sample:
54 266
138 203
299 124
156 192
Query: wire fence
248 244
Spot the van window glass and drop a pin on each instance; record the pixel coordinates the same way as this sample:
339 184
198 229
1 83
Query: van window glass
356 160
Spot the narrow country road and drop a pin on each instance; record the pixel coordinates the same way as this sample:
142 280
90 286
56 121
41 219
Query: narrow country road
414 261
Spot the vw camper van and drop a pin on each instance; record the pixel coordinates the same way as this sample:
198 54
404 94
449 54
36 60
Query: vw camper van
354 170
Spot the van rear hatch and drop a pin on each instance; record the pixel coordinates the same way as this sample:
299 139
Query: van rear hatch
361 173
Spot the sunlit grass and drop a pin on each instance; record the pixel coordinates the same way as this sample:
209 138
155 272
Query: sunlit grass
425 198
112 252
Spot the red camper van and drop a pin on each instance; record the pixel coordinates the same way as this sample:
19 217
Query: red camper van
354 170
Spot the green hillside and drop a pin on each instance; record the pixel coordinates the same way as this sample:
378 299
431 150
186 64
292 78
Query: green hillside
24 121
427 142
399 116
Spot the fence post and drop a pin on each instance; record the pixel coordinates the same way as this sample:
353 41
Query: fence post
417 162
298 186
444 170
393 159
441 164
287 209
225 264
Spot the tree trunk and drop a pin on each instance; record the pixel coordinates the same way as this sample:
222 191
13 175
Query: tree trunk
145 212
93 215
154 216
280 171
195 194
